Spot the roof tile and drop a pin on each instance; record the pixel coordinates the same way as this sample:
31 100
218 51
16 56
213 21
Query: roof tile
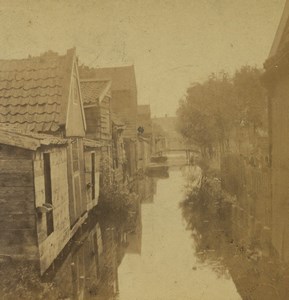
91 90
31 92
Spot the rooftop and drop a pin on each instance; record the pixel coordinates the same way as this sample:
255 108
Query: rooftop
32 91
93 90
14 136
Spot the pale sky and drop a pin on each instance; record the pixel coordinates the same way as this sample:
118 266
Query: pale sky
172 43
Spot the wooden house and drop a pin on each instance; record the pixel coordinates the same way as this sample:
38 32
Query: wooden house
96 95
35 222
123 104
42 95
276 79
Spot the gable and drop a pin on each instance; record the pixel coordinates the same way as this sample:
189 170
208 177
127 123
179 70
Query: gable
282 34
75 120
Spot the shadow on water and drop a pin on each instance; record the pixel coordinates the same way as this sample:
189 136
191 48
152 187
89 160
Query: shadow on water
228 239
88 266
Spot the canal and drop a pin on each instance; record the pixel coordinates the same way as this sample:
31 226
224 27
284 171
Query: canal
180 244
167 267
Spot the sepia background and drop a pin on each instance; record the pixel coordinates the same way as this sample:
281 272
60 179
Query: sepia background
144 149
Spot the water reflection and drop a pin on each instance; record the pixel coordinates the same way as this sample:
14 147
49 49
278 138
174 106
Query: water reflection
154 258
180 246
168 267
231 240
89 270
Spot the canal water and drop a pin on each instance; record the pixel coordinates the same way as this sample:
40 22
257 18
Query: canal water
181 245
166 267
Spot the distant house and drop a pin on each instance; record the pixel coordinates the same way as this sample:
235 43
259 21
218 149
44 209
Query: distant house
96 95
144 120
174 140
119 159
42 95
123 104
145 135
276 79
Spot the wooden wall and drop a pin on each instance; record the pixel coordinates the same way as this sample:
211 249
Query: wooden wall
124 105
92 117
76 180
88 177
131 156
280 167
144 153
105 119
50 246
17 214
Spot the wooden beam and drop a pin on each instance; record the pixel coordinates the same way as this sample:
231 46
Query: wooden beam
18 140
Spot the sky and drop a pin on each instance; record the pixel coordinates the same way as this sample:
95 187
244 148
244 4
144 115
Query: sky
172 43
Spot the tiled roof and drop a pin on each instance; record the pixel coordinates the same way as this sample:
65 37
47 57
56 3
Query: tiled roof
32 91
15 136
92 90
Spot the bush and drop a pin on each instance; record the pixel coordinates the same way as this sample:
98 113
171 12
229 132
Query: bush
116 203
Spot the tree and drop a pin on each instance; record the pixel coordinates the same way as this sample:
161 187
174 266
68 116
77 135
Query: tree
251 96
206 114
209 111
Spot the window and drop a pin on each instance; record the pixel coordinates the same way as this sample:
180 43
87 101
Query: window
48 192
92 175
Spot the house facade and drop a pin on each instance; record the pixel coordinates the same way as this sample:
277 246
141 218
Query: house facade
41 96
96 95
276 79
123 104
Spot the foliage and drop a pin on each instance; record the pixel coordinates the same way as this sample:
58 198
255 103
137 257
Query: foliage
210 110
116 202
250 95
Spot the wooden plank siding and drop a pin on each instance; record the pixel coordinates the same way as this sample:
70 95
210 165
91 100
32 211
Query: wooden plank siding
90 200
124 106
105 119
92 118
51 245
17 215
131 156
280 166
76 180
